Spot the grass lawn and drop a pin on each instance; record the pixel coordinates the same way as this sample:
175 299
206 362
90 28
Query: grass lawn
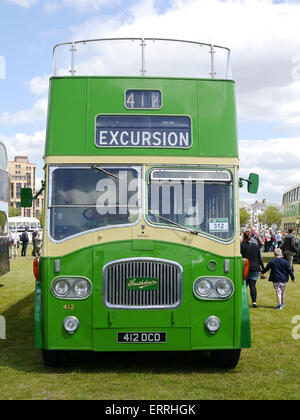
269 370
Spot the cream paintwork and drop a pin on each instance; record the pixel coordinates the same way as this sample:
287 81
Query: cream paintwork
142 229
142 160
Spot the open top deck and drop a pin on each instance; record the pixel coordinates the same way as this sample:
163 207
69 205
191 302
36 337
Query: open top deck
152 57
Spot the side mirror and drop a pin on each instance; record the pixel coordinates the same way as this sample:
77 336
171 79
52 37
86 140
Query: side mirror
253 183
26 197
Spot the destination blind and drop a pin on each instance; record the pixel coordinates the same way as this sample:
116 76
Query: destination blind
143 131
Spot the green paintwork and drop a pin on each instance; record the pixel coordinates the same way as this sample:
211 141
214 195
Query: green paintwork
99 325
76 101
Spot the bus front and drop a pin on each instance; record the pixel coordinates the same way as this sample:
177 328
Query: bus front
141 237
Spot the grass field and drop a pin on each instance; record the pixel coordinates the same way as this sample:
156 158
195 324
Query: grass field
269 370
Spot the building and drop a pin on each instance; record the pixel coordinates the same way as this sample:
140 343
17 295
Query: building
257 209
22 175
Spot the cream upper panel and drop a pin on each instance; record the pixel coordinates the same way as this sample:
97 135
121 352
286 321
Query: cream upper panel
140 231
143 160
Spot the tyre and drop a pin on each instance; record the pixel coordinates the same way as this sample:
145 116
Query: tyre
55 358
226 359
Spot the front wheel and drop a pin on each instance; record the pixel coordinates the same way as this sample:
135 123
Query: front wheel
226 359
55 358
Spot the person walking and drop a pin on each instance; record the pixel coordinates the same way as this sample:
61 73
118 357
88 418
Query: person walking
289 246
25 240
262 238
34 234
251 251
38 243
268 241
278 239
255 237
281 270
14 244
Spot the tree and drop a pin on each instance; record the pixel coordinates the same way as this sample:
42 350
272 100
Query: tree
244 217
272 215
12 212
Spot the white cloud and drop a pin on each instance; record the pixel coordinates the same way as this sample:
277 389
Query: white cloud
39 85
31 145
36 113
277 161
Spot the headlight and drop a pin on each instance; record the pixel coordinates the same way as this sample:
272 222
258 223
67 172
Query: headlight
213 288
203 287
71 324
71 288
224 288
61 288
82 288
212 324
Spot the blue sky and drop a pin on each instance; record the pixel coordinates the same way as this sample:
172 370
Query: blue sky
263 36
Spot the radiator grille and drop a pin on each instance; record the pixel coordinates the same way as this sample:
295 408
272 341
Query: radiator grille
167 295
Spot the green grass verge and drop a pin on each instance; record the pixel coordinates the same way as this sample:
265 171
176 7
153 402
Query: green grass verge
269 370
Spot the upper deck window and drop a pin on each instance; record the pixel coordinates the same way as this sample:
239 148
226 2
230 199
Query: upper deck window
152 57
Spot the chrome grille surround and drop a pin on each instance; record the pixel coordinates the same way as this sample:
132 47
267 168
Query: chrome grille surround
170 288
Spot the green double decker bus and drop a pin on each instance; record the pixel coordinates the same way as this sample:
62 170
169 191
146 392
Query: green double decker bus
141 248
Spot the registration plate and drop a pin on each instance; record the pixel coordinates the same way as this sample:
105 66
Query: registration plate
142 337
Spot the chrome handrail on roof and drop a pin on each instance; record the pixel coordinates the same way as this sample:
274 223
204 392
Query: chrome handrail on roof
211 49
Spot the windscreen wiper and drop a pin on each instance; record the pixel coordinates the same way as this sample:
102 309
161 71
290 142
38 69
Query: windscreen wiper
193 231
108 173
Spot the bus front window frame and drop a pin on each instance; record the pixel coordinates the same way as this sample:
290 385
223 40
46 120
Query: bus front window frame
162 222
107 168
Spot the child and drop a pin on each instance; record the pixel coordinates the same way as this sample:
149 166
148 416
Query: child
280 272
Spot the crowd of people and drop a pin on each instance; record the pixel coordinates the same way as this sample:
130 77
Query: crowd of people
281 268
16 240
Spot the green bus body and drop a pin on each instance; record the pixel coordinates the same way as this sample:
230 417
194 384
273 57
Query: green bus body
74 104
76 101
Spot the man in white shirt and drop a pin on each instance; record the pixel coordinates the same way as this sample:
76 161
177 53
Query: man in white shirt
14 243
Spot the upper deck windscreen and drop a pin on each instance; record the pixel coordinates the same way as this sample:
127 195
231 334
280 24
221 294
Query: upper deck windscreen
141 57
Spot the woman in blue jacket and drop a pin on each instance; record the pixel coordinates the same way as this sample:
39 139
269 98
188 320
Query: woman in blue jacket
280 272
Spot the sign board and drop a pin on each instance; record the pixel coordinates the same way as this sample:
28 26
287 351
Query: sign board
143 131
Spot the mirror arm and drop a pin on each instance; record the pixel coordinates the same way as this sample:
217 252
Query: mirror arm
40 191
241 182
